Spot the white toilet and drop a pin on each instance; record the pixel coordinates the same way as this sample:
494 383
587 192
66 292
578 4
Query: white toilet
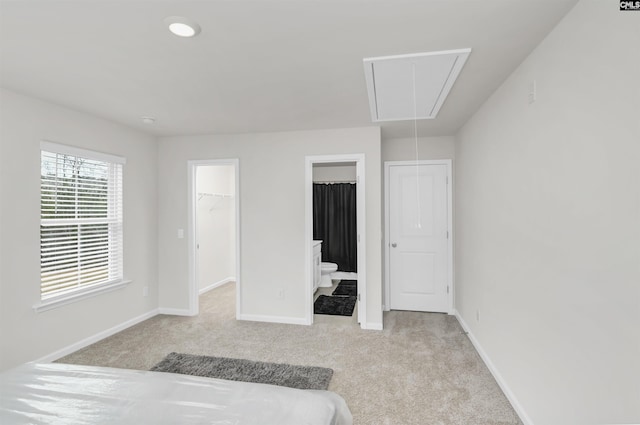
325 270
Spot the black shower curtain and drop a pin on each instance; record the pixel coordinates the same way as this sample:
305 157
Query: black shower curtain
334 222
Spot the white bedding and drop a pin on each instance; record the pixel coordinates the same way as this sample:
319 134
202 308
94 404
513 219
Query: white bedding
54 393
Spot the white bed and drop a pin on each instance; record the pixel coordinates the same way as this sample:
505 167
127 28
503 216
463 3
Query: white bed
52 393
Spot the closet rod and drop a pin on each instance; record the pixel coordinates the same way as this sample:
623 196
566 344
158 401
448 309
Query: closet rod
335 181
217 195
214 195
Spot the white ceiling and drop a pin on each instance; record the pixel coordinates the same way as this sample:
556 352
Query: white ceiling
257 66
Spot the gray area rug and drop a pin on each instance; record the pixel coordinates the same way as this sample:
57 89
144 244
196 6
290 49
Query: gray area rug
335 306
347 288
285 375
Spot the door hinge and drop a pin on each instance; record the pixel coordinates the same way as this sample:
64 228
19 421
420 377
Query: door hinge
358 297
447 289
447 234
447 179
358 238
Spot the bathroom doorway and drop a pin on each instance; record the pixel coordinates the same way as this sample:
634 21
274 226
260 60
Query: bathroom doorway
335 215
214 227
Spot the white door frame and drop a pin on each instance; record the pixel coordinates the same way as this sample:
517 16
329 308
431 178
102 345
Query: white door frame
192 239
361 230
387 251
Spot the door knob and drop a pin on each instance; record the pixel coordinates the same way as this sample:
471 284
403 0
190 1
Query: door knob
394 245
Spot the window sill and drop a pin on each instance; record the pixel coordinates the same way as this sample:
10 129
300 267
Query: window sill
60 300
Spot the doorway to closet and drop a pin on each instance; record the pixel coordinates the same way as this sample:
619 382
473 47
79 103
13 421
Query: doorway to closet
214 227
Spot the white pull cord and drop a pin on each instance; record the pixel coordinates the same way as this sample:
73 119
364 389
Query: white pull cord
415 136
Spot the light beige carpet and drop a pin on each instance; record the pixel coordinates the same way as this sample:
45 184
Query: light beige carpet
420 370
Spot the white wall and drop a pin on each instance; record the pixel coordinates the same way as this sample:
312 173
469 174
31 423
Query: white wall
335 173
215 224
548 223
2 155
428 148
27 335
272 214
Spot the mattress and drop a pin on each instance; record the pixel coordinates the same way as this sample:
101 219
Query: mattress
52 393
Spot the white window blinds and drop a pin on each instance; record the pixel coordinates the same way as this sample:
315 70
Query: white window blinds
81 220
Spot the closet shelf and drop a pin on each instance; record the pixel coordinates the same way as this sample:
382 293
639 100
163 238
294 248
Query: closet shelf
202 195
216 197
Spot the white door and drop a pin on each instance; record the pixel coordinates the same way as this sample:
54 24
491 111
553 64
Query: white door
418 238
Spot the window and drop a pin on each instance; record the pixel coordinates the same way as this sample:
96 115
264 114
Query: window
80 221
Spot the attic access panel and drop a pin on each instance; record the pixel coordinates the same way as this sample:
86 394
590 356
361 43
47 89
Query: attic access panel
390 83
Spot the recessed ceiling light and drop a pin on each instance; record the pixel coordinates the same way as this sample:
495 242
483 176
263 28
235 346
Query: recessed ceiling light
182 27
148 120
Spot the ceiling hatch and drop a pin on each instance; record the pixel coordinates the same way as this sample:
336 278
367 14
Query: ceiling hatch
411 86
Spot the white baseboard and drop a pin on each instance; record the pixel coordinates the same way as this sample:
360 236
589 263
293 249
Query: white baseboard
175 311
216 284
273 319
97 337
526 420
373 326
